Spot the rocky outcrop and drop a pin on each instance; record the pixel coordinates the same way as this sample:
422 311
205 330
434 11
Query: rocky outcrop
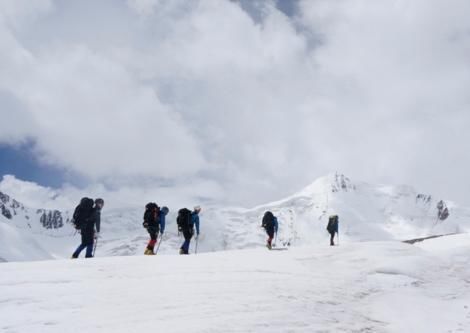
8 206
423 198
51 219
6 212
342 183
442 210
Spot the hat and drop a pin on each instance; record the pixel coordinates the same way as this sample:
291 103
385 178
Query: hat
197 208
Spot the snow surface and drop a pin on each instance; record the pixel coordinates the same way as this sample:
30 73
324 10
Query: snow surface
371 282
361 287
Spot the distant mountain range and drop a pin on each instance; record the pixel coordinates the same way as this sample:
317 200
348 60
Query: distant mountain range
366 212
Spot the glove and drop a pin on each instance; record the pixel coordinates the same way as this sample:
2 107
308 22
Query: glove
97 235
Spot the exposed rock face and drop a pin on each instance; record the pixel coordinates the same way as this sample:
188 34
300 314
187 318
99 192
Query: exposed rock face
424 198
6 212
49 219
442 210
342 183
8 205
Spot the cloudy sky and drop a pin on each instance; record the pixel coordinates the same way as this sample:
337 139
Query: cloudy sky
235 101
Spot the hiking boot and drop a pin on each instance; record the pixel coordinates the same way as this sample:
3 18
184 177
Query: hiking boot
269 246
149 252
73 257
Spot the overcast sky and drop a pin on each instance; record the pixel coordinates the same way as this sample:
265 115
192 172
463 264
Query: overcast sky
240 101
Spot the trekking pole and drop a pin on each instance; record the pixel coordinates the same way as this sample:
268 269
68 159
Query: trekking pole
95 245
337 237
159 243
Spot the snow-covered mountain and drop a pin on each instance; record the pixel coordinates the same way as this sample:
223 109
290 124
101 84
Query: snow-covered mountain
31 234
366 212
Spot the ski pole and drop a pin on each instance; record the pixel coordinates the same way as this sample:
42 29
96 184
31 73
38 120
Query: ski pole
159 243
197 240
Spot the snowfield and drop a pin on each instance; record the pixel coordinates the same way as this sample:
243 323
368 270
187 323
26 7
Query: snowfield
357 287
371 282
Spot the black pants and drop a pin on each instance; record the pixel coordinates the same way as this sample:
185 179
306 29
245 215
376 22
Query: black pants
88 235
332 236
187 234
270 232
153 232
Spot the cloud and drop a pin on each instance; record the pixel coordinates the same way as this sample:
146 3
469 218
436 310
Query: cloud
66 197
258 104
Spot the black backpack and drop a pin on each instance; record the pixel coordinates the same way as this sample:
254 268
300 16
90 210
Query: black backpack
268 220
184 219
82 213
151 215
332 224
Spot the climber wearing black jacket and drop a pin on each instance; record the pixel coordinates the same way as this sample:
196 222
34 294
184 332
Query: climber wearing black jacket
90 230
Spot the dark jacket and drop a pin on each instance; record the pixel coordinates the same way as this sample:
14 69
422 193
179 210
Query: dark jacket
270 223
332 226
92 223
152 218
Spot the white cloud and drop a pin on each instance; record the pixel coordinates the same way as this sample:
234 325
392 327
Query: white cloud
199 91
174 196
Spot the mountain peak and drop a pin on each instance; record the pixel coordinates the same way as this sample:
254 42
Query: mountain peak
331 183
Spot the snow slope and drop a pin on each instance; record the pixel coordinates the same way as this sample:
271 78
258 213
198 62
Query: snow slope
360 287
367 212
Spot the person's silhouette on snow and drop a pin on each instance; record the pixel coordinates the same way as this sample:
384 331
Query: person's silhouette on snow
332 228
90 230
270 224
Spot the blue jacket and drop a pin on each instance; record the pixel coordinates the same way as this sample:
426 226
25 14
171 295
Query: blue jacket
276 224
162 222
195 221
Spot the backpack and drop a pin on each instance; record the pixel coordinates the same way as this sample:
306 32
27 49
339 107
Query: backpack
82 213
151 214
332 224
184 219
268 220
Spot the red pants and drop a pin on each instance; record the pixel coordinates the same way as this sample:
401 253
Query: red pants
270 239
151 244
